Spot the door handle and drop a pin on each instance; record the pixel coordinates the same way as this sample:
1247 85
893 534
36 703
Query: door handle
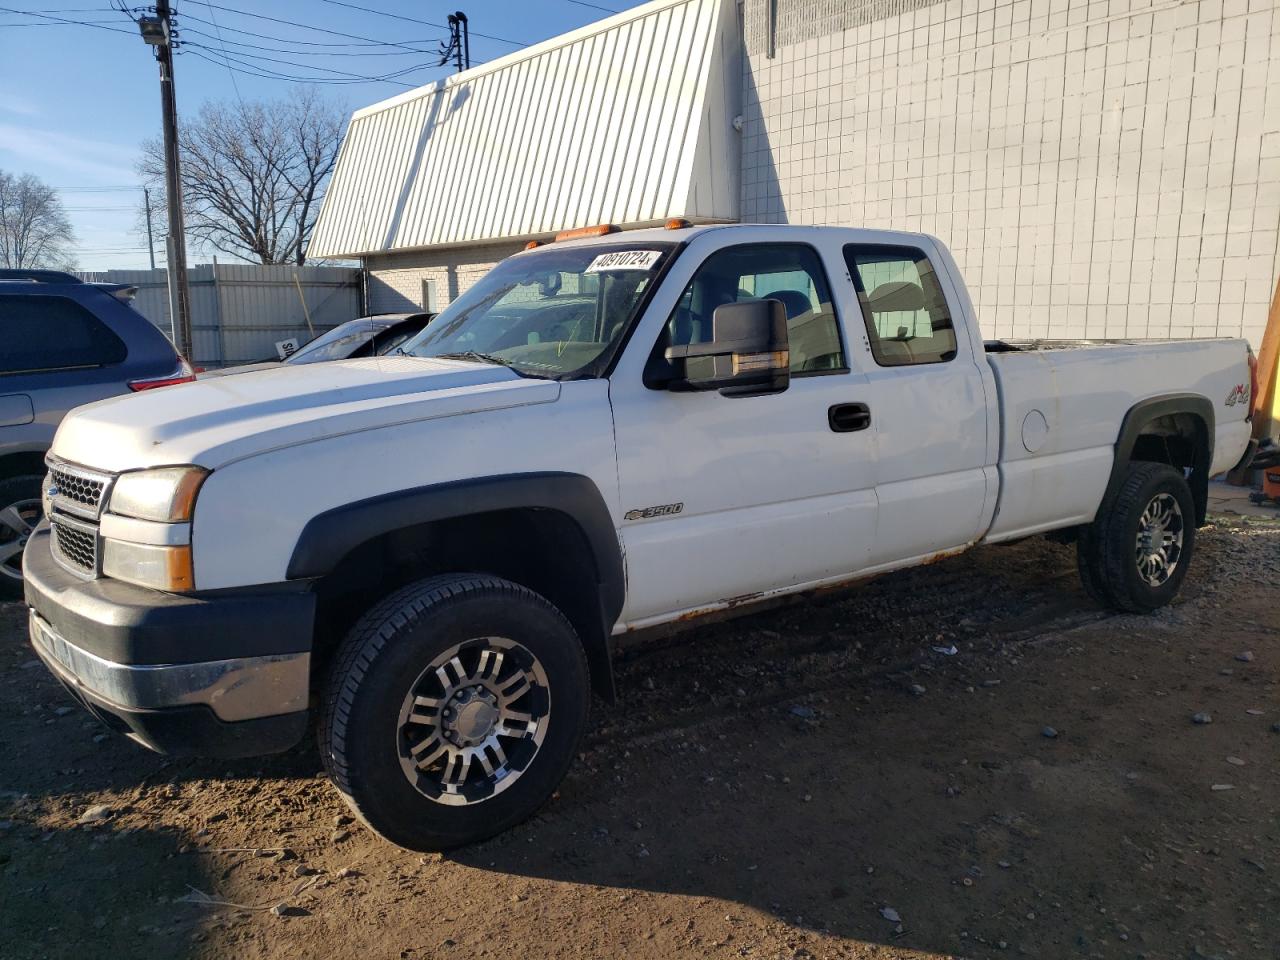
848 417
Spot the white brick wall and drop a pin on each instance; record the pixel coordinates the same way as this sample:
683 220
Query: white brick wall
1100 169
395 279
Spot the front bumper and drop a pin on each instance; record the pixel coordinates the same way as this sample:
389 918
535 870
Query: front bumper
224 674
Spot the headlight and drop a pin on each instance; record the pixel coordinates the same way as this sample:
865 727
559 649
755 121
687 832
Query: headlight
167 494
147 565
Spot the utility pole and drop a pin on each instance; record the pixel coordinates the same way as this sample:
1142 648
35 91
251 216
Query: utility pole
461 18
151 246
458 49
157 31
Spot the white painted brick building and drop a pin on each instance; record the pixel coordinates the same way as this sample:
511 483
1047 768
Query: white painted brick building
1100 169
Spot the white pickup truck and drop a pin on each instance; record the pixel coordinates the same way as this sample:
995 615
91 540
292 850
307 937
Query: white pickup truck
612 431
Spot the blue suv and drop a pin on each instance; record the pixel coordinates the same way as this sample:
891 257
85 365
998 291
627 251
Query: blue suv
63 343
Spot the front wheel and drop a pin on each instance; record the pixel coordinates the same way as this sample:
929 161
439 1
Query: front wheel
453 710
1135 554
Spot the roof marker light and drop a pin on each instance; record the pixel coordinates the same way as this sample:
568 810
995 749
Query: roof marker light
678 223
599 230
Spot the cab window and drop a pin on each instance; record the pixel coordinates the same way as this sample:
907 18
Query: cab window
905 311
791 273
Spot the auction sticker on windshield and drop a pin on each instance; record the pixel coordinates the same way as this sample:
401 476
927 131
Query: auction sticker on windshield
624 260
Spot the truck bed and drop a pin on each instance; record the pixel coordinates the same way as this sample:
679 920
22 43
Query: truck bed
1062 406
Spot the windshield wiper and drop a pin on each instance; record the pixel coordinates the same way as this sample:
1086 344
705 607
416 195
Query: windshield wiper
474 355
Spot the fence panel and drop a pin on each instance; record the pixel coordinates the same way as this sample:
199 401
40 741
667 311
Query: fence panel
239 311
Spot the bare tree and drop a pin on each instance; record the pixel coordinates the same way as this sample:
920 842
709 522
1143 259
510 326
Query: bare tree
253 174
34 229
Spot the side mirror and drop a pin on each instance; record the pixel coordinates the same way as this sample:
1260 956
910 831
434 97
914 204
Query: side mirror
748 354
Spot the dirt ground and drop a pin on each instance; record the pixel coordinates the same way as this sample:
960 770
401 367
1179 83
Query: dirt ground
816 781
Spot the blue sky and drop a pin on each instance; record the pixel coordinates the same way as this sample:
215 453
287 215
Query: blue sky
76 101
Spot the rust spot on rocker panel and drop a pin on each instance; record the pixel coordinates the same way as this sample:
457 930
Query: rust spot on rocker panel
727 607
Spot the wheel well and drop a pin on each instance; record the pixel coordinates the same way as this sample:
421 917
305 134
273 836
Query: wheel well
544 550
18 464
1181 440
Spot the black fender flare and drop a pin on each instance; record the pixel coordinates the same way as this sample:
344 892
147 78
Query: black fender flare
1141 414
330 536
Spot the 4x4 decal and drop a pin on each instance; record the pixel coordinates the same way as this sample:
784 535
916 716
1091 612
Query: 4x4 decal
1239 394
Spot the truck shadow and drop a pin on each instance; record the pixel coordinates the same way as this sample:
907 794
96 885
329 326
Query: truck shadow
62 749
780 764
95 891
783 765
834 768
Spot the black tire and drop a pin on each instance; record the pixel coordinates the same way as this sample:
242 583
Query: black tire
382 663
1089 566
1107 553
21 494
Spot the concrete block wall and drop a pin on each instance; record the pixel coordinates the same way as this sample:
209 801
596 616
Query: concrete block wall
395 279
1100 168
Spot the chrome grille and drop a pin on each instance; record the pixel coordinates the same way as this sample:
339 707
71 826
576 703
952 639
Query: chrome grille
76 489
75 544
80 489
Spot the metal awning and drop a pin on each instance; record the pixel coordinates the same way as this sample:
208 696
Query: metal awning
628 120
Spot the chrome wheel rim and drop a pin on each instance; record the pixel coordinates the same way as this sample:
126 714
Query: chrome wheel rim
1158 549
473 721
17 522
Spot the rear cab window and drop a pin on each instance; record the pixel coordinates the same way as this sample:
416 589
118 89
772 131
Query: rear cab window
907 317
43 333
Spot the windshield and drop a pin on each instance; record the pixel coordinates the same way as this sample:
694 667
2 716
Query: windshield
554 313
335 344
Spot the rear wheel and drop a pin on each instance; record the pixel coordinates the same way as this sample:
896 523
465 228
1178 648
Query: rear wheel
20 511
454 709
1135 555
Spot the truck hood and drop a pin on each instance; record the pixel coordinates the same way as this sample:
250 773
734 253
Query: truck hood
217 421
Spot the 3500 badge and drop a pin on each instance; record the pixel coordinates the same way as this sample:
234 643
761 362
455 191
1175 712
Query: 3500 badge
648 513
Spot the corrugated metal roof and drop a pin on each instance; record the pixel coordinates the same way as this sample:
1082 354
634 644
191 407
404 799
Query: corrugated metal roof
628 120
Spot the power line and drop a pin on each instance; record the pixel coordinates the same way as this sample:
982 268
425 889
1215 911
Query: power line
311 43
64 20
299 53
72 10
307 26
425 23
593 6
111 189
266 73
234 84
63 23
247 60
